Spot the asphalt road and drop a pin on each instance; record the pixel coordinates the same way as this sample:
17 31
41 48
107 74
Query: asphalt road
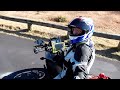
17 54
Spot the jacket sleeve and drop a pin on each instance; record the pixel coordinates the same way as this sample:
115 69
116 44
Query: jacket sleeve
82 56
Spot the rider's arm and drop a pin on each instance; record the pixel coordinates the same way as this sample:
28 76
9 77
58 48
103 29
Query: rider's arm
82 55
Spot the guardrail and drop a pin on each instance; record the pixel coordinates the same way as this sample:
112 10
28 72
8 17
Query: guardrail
30 22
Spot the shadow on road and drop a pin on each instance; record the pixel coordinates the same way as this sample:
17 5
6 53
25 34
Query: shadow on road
109 53
21 34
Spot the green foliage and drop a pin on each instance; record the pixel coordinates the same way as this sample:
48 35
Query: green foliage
60 19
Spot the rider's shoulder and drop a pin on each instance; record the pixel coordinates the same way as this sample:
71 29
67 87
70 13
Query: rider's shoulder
83 47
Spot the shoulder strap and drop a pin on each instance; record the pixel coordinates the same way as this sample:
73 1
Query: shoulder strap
74 47
70 50
83 43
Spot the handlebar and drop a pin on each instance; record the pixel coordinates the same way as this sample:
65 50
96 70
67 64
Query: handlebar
54 45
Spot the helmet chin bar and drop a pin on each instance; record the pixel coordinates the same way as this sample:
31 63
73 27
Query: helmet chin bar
79 39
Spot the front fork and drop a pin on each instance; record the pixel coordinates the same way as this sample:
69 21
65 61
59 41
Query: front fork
53 68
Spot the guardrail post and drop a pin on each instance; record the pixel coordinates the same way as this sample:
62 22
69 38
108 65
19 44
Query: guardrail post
119 46
29 26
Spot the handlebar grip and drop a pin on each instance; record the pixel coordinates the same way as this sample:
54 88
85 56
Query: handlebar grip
35 50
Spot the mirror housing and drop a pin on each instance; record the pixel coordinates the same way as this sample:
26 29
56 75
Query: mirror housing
39 42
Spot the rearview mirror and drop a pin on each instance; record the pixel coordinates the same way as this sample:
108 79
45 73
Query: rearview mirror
39 42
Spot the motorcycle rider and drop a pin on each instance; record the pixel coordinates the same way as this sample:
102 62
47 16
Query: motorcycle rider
81 54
